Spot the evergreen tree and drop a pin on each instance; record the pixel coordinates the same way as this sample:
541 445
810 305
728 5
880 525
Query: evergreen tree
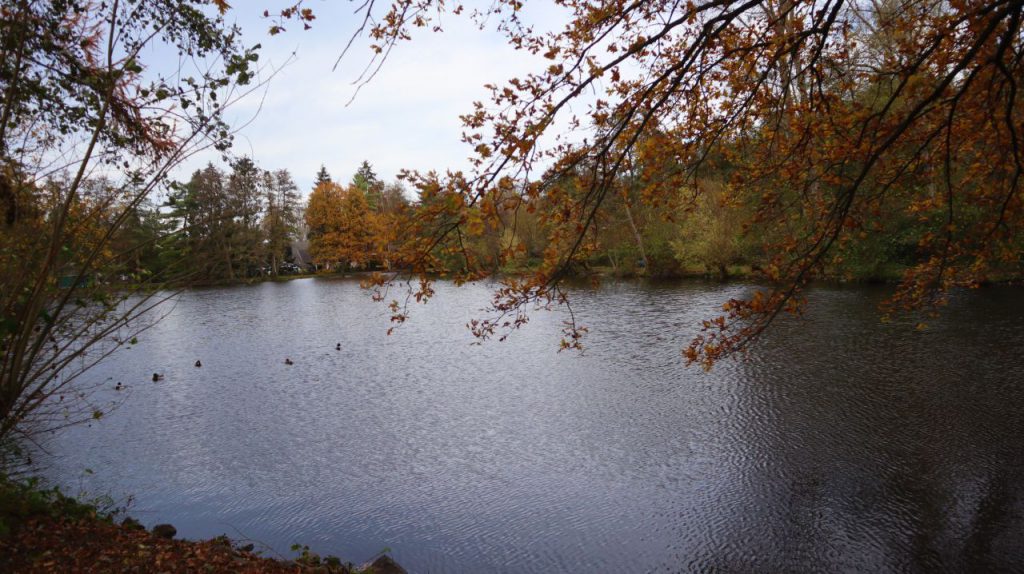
321 177
372 187
246 192
199 212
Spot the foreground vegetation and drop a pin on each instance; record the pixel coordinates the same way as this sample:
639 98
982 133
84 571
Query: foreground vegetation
798 140
47 531
810 137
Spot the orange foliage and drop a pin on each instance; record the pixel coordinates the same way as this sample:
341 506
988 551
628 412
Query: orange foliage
343 232
825 115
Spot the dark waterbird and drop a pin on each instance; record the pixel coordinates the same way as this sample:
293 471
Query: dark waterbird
199 364
157 377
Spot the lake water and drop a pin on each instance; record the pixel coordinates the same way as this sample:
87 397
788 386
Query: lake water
840 444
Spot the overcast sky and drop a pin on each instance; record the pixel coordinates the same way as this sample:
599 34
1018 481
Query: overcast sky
407 117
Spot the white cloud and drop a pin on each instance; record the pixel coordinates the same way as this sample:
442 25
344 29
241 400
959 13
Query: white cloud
406 117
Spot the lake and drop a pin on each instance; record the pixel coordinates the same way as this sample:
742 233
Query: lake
840 444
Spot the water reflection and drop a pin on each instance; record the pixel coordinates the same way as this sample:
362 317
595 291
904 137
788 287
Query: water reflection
841 444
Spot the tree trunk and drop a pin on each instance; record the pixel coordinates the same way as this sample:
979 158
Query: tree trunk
636 234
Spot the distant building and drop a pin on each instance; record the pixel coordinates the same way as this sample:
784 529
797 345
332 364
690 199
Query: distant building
301 229
300 255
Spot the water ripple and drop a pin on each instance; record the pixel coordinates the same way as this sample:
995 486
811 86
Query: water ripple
839 444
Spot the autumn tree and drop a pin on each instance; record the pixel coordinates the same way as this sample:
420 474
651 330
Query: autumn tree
391 222
825 115
393 198
81 95
323 211
343 230
280 219
358 230
712 235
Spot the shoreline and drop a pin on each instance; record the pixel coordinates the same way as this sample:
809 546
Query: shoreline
44 530
601 274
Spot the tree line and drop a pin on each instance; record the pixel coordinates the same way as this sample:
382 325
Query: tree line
244 222
794 139
829 137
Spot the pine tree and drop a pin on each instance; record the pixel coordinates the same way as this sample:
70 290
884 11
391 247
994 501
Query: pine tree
246 192
372 187
321 177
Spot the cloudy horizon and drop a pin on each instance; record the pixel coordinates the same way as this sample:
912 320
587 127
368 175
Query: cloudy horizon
407 117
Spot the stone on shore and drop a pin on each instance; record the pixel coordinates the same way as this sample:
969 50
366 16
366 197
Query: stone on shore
385 565
165 531
132 524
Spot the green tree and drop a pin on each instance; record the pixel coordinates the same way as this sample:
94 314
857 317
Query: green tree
246 190
201 212
321 177
372 187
